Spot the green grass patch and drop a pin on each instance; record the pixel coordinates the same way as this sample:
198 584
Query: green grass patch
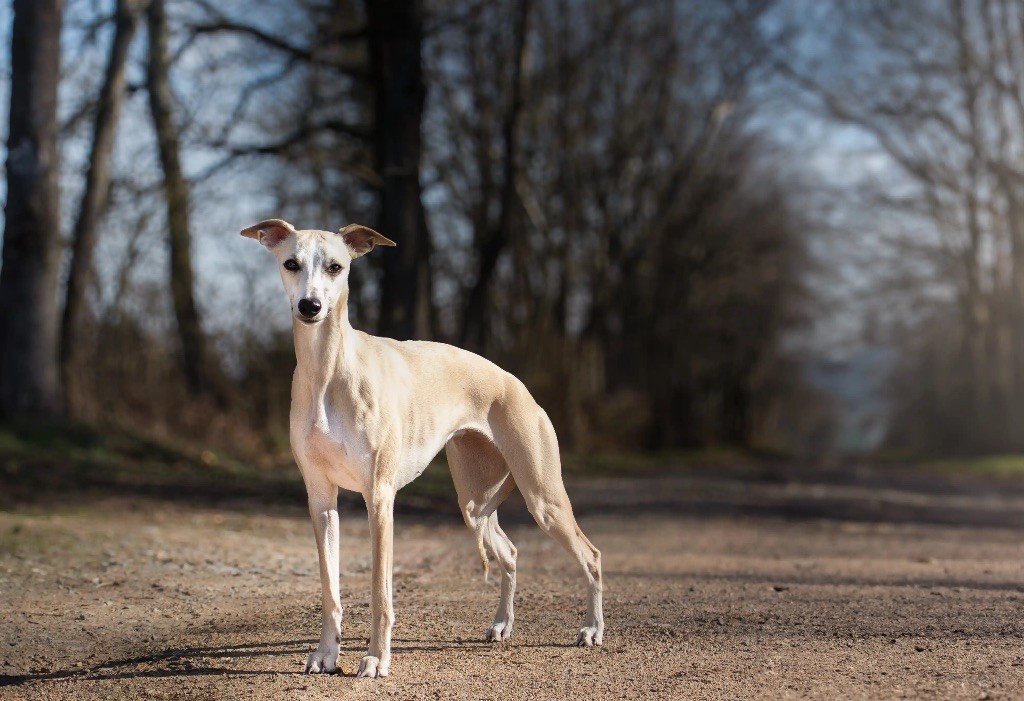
38 460
41 461
45 461
995 465
610 464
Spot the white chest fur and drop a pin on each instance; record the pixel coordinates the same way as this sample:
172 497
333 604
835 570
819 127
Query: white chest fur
332 448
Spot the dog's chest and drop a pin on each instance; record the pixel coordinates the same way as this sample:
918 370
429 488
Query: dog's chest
334 448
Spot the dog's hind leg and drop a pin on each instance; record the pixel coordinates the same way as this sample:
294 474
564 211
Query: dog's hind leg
505 553
524 435
482 481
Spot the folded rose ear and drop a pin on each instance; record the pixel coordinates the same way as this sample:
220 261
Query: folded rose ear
361 239
270 232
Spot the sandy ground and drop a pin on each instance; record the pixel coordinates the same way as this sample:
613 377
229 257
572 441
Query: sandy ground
715 588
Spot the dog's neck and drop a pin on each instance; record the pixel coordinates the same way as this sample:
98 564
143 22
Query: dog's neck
321 352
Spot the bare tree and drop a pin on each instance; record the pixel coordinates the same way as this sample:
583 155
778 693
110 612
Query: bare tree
590 171
617 166
491 239
936 86
94 196
196 362
395 29
29 381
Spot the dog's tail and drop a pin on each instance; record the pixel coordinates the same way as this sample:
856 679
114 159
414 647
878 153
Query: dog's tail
482 527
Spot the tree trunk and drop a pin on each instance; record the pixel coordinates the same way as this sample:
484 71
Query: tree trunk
194 358
29 384
474 316
395 29
94 198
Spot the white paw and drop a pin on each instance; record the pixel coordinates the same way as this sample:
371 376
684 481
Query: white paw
500 631
372 668
322 661
590 636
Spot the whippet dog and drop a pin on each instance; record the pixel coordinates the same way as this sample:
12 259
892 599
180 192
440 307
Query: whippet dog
368 414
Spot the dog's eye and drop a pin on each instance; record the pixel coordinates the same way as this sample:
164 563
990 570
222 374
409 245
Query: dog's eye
291 264
334 268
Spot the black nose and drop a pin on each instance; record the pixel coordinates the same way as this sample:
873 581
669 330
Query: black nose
309 307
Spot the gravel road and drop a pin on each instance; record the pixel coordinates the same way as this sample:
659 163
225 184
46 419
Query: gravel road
763 584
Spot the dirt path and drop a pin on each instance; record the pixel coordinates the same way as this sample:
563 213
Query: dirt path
128 599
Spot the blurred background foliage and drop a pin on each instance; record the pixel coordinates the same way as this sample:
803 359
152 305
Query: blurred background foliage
778 225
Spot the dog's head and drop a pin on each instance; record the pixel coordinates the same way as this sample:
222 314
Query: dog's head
314 264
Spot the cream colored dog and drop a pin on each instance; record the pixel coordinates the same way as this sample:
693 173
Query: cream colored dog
368 414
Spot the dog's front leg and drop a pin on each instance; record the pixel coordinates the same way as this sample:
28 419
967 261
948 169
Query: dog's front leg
323 509
380 506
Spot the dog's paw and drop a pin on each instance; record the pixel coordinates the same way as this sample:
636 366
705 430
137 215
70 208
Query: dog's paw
322 661
499 632
589 636
371 667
